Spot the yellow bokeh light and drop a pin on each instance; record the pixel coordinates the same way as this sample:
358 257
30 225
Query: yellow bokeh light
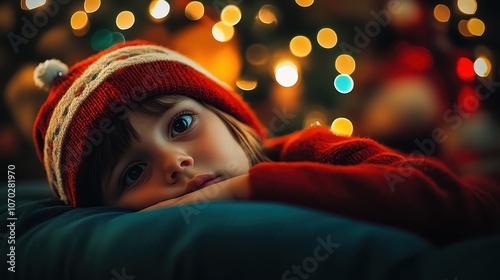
482 66
246 85
463 29
267 14
91 6
257 54
230 15
442 13
79 20
342 127
327 38
304 3
159 9
286 74
222 32
345 64
314 118
125 20
300 46
194 10
476 26
468 7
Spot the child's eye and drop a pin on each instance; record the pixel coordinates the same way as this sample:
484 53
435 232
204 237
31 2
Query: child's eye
181 123
132 173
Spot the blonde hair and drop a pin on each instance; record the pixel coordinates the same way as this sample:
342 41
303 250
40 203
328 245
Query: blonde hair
244 135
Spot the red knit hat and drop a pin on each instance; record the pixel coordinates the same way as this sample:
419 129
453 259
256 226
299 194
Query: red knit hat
84 99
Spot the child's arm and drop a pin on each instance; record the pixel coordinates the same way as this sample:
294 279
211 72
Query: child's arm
236 188
365 180
434 204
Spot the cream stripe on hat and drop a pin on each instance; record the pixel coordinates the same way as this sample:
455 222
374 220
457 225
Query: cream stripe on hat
91 79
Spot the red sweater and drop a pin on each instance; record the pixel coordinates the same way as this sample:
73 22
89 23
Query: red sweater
362 179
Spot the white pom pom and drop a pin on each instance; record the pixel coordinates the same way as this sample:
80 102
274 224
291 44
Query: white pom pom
46 72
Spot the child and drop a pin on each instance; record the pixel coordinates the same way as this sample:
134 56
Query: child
140 126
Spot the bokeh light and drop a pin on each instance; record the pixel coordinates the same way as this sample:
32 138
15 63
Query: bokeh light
468 100
407 13
79 20
8 20
257 54
32 4
267 14
342 127
463 29
482 66
327 38
345 64
304 3
300 46
125 20
101 39
343 83
222 32
90 6
230 15
442 13
467 7
117 37
314 118
465 69
476 26
246 85
415 57
286 74
159 9
194 10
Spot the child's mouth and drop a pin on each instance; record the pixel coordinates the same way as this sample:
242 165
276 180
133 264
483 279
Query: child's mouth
202 181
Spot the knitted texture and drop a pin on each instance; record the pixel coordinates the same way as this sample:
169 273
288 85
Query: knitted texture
82 103
362 179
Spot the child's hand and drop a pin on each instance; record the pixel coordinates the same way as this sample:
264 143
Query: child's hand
236 188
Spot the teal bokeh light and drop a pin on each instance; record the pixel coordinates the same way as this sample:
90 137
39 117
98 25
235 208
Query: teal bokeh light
118 37
101 39
343 83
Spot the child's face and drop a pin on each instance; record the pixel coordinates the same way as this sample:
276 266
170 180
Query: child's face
183 149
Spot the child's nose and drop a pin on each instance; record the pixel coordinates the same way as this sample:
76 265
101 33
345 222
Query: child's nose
175 165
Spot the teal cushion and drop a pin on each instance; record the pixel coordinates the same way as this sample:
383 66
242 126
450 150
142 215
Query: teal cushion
227 240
